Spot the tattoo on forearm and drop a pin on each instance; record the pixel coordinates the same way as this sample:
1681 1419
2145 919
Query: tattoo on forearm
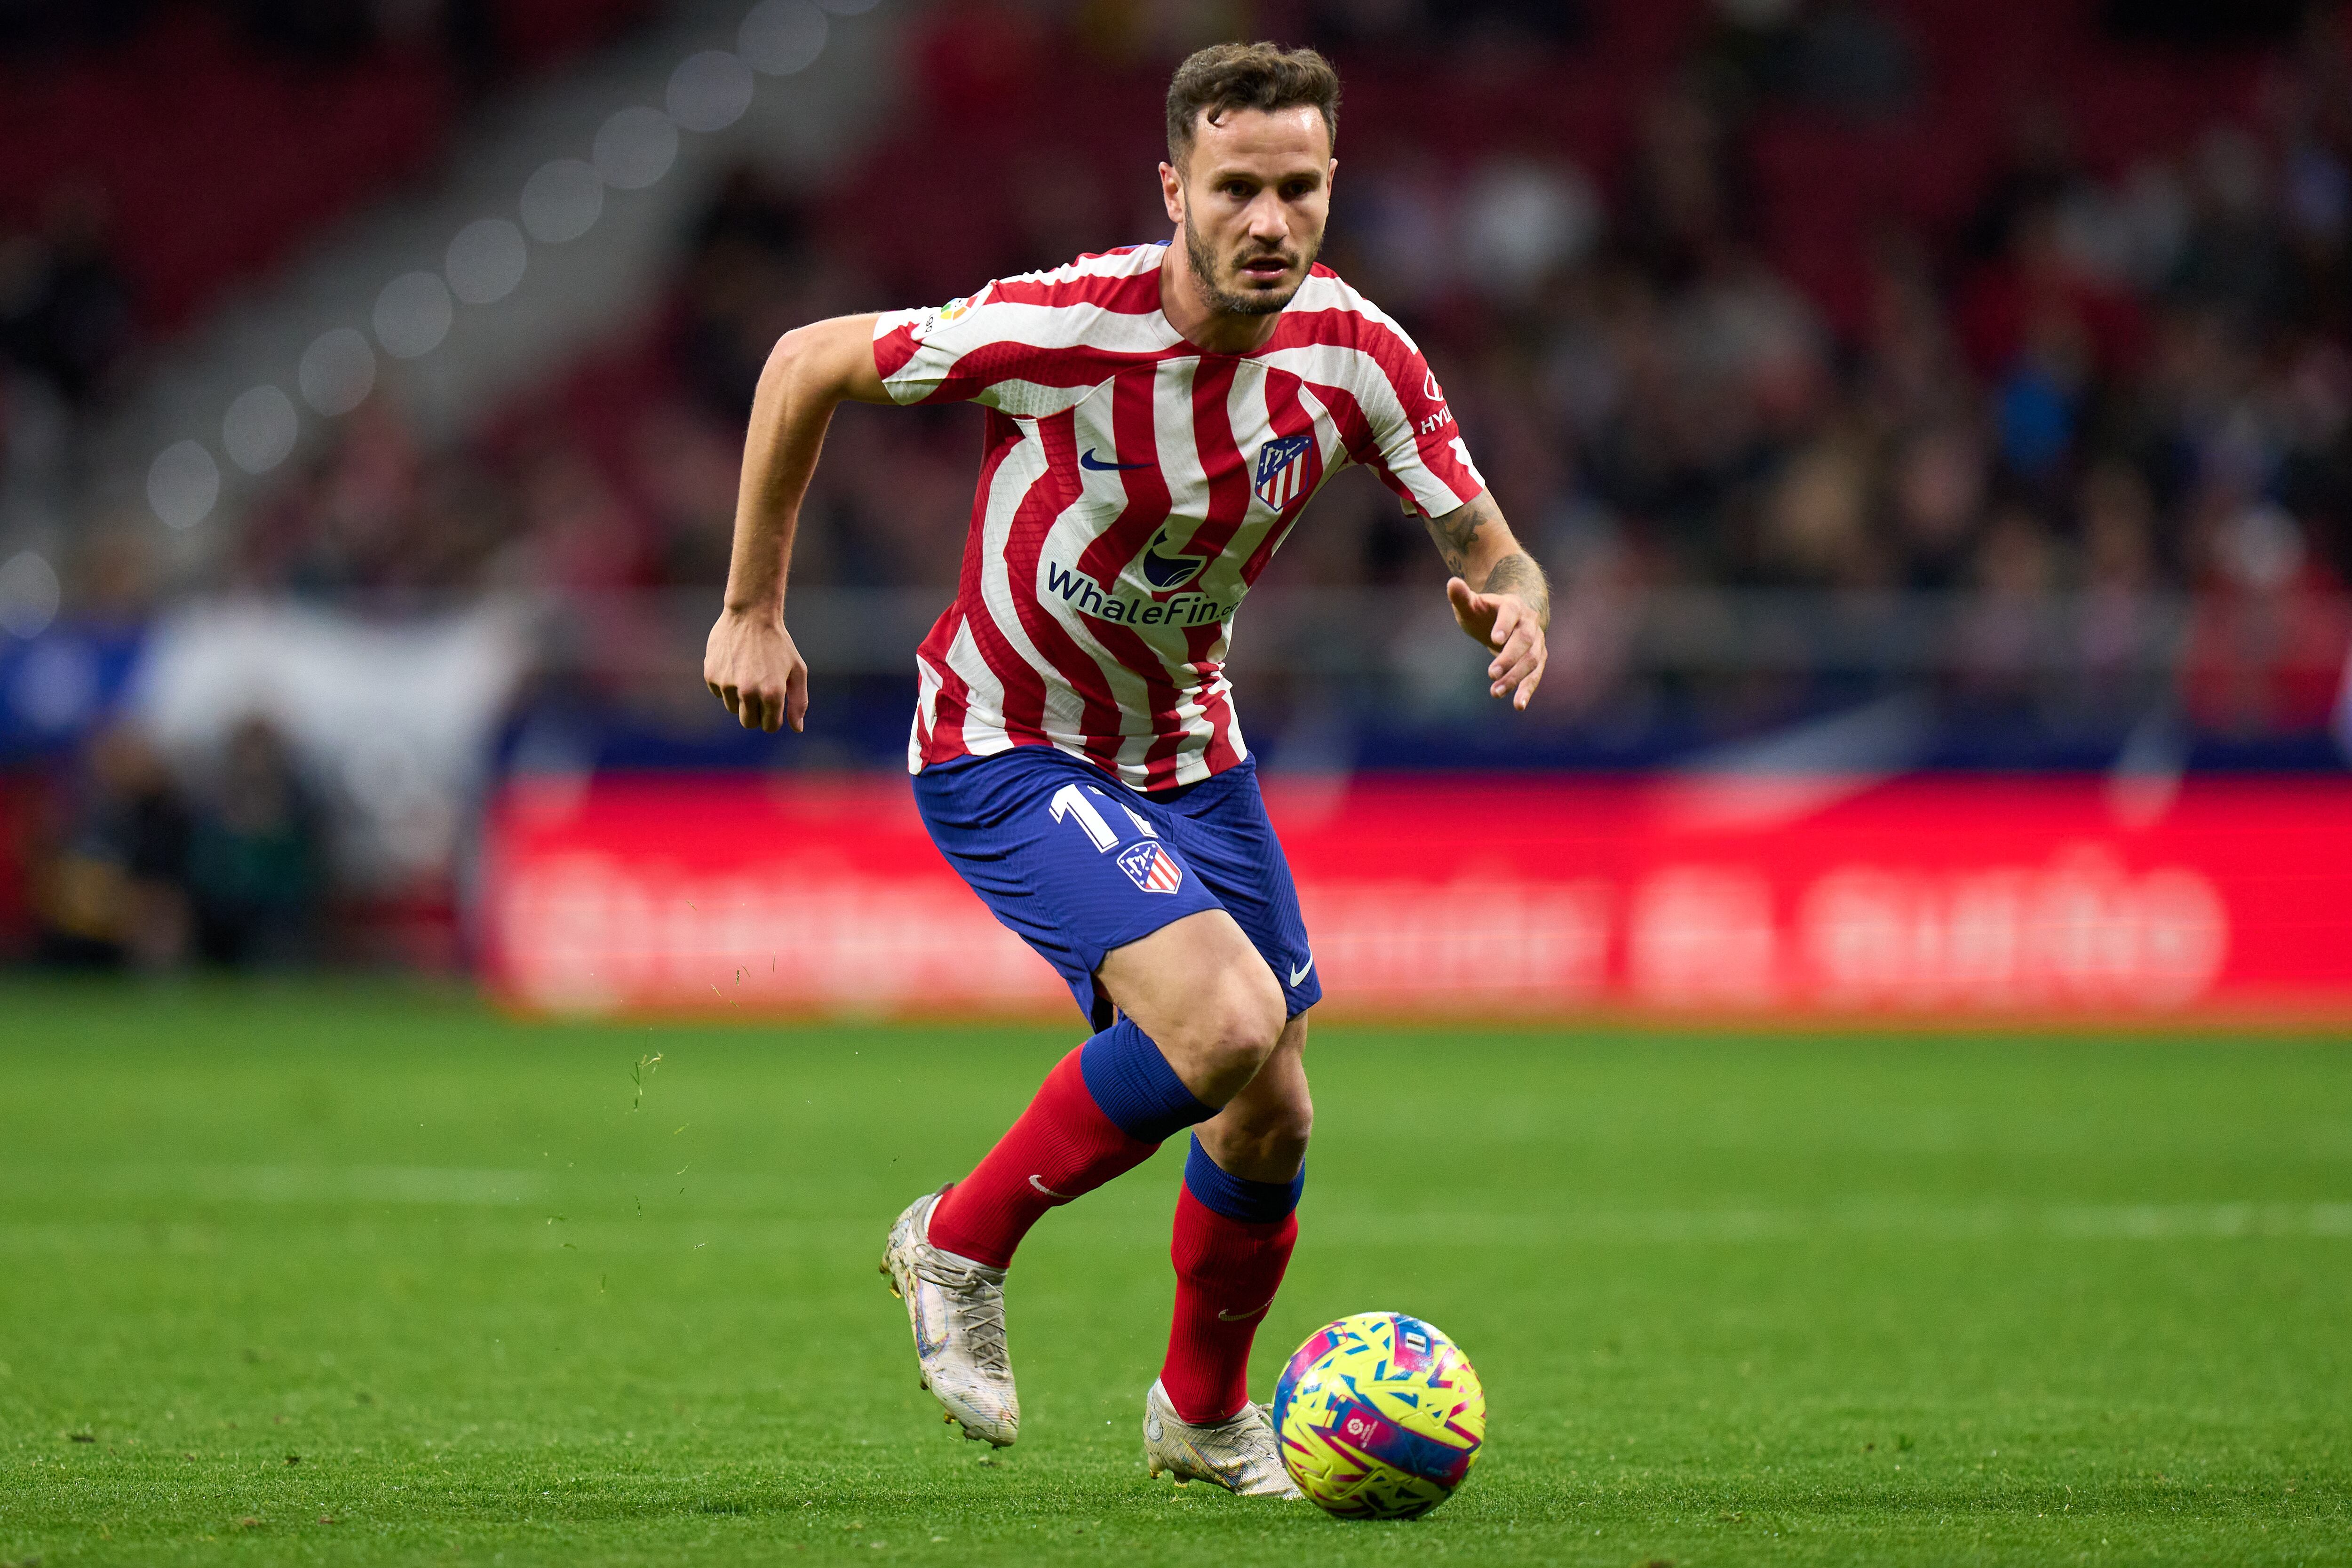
1519 574
1456 537
1454 531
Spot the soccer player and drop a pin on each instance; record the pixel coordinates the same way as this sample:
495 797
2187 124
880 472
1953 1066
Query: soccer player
1158 417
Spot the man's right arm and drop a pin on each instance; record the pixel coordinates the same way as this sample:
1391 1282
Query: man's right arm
750 662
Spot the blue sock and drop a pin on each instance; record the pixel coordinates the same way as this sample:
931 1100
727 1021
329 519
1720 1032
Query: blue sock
1252 1203
1136 1086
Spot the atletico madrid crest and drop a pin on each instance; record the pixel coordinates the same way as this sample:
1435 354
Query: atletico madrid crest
1280 474
1150 867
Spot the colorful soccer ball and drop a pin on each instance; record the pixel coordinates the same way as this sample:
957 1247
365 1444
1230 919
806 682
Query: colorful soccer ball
1379 1416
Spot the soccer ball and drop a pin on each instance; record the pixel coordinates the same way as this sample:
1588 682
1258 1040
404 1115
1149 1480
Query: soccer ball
1379 1416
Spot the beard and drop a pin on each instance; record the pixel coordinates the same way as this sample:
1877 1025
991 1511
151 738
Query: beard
1231 302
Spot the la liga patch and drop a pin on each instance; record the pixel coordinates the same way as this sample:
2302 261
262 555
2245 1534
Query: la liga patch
1150 867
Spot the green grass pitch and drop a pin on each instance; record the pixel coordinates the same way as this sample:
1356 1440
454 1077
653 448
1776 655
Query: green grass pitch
348 1274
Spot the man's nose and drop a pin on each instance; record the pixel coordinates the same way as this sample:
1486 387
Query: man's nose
1268 221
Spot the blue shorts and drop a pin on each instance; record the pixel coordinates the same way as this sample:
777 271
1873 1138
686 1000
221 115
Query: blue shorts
1077 864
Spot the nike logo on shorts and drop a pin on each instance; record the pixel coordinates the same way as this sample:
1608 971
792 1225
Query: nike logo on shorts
1086 459
1048 1191
1300 973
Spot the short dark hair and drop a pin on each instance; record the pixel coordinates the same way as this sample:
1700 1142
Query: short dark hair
1260 75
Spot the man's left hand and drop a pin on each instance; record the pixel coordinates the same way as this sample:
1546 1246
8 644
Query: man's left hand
1504 623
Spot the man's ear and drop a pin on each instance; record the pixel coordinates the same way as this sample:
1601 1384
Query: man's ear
1171 192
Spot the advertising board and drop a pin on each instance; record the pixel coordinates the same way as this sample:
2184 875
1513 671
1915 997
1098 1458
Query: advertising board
1488 895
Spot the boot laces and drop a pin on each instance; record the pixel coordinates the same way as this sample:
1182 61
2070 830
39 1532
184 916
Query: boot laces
977 1303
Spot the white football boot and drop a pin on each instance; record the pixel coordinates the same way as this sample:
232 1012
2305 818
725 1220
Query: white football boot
957 1308
1240 1455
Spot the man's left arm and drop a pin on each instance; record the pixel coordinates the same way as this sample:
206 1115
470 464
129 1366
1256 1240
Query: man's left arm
1509 608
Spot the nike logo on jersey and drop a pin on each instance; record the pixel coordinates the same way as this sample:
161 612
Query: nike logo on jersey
1048 1191
1301 973
1086 459
1225 1317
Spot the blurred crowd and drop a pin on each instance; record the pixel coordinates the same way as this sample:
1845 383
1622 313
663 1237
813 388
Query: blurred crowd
144 166
2087 417
2101 389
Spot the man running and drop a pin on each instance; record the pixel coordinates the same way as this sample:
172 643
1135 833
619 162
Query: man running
1158 417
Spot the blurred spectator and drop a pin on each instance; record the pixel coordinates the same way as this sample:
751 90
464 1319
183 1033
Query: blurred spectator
114 890
255 866
1816 519
2039 172
748 278
2045 330
2268 643
1939 483
65 306
2117 633
2233 257
1524 221
2003 631
690 466
1907 372
114 571
1687 195
576 532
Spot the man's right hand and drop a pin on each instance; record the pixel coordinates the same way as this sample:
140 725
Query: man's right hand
750 665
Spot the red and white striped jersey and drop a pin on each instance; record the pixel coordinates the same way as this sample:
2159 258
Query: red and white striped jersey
1133 488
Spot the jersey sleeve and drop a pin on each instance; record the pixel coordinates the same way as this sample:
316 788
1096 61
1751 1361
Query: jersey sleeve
977 349
1416 448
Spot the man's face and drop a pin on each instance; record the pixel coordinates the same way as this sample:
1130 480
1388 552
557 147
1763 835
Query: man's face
1253 198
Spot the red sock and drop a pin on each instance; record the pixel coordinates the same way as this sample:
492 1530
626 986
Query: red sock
1061 1147
1227 1271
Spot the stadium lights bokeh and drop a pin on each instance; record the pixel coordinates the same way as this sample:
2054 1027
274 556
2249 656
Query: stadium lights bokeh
633 149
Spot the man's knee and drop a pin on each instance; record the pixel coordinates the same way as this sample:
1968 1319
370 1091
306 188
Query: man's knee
1282 1127
1262 1134
1239 1020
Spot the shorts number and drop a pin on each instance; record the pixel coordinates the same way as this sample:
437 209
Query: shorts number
1071 801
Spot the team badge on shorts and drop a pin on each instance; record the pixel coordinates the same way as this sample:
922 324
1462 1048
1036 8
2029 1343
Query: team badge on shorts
1150 867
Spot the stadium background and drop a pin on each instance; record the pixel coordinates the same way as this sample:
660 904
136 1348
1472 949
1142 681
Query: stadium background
1890 393
1892 396
1860 1067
